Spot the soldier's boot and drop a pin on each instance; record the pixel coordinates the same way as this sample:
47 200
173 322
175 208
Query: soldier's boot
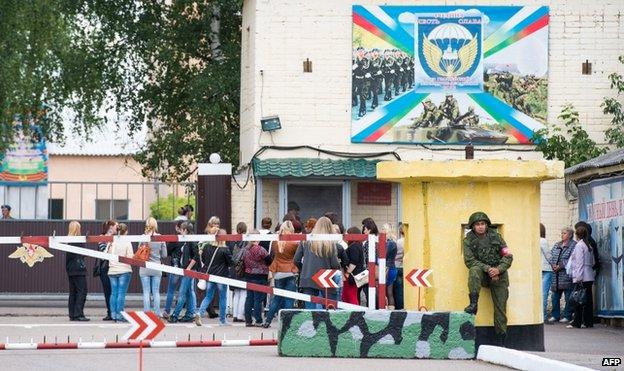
472 307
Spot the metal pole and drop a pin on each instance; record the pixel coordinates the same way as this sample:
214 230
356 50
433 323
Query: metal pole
65 208
112 204
97 191
81 199
143 201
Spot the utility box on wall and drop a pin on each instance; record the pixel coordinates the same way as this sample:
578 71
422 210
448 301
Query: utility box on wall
438 197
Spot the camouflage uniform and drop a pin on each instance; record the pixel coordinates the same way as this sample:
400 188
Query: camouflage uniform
480 254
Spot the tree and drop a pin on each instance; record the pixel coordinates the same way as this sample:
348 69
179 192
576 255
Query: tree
572 147
173 66
166 208
613 106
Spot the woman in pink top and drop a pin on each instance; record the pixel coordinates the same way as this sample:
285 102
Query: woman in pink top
581 262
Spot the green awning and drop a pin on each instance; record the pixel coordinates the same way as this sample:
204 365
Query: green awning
313 167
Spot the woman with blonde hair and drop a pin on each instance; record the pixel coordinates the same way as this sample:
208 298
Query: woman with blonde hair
77 275
212 227
150 278
217 260
283 270
391 272
119 274
312 256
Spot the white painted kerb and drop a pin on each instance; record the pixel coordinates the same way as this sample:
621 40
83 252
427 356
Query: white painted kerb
522 360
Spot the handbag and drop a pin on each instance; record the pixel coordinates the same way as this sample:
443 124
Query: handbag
201 284
361 278
143 252
239 265
578 297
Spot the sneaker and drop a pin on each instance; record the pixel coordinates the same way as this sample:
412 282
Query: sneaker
186 319
238 320
249 324
225 323
266 325
569 326
583 326
165 315
564 320
552 320
172 319
197 320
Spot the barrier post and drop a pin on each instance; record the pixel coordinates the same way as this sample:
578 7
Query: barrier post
372 247
381 286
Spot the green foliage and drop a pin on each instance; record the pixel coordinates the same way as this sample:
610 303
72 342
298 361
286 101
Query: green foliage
613 106
171 65
572 146
166 208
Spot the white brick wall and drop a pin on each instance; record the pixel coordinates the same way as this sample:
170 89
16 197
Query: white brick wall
314 108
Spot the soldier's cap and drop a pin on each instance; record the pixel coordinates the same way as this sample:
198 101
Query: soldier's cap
477 217
360 48
376 50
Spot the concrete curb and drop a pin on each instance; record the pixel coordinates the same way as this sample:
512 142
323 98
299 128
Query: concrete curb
523 361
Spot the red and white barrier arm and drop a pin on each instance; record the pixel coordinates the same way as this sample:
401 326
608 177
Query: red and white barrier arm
43 240
136 344
53 243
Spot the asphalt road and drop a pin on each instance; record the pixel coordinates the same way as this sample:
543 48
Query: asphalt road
24 323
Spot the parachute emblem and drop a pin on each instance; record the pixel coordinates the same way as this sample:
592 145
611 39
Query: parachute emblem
458 56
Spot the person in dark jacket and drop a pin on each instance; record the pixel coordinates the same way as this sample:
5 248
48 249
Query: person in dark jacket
217 260
109 228
562 281
189 260
173 280
355 252
77 274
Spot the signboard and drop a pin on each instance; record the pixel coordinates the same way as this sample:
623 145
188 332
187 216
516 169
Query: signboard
26 161
601 204
449 74
145 325
374 193
418 277
324 278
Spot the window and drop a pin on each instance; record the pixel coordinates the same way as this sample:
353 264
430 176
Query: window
117 209
55 208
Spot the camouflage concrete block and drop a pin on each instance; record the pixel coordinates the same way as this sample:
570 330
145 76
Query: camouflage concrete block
376 334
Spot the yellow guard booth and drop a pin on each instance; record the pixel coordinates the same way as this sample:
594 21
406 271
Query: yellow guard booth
437 199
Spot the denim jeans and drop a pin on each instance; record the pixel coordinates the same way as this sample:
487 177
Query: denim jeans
187 294
398 290
211 287
556 302
119 287
331 295
254 300
338 279
547 277
280 302
151 285
173 283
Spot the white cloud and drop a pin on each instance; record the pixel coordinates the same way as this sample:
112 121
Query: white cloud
407 17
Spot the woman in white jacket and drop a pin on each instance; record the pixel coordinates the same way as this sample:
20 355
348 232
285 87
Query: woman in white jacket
582 262
119 275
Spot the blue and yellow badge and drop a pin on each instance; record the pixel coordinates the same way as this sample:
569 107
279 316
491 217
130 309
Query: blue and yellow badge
450 53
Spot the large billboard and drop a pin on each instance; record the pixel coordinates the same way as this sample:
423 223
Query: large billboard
449 74
25 163
601 204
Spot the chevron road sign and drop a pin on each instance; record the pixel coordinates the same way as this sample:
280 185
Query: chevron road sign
418 277
145 325
323 278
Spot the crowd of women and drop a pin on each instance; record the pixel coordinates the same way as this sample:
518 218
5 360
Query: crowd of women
287 265
570 266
